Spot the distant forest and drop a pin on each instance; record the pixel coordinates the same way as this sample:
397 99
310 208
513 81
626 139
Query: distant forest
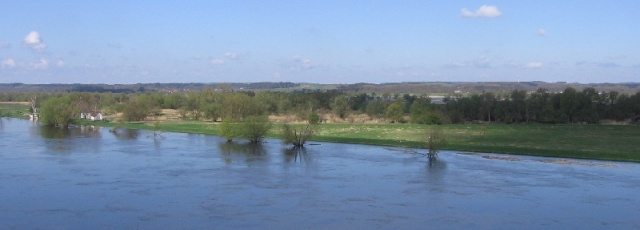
235 102
442 88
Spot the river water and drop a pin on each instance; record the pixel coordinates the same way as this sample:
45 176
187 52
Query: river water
92 178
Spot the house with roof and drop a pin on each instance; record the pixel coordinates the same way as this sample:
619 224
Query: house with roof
92 115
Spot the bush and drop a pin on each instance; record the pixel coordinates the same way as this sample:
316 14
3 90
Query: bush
314 118
57 111
255 128
228 129
435 142
297 137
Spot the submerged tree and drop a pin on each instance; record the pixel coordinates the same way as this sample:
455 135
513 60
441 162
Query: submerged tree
58 111
435 142
254 128
228 129
297 136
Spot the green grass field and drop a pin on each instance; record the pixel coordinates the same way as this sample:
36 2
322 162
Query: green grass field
14 110
601 142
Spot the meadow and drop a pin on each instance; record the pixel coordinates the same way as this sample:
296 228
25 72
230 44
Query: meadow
599 142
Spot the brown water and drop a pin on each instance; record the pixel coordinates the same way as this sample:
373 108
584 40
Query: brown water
90 178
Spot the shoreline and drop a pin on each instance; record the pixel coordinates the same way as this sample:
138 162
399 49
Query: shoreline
561 141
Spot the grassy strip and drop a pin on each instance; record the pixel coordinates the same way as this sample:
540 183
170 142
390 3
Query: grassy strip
600 142
14 110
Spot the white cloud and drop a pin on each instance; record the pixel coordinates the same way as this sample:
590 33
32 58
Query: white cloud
302 62
33 41
60 63
480 62
217 61
485 11
542 32
41 64
8 63
231 55
534 65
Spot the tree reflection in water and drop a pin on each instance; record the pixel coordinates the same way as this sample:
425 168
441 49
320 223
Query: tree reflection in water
436 170
250 153
62 133
125 134
296 154
60 140
54 133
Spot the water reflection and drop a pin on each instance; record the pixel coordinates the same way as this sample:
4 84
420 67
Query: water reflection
436 170
237 152
296 155
63 140
61 133
125 134
54 133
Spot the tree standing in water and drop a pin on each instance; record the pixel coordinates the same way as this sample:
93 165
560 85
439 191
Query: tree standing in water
435 142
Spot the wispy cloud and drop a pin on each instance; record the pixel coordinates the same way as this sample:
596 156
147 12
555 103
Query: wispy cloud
8 63
534 65
60 63
607 64
231 55
481 62
542 32
33 41
41 64
298 62
485 11
217 61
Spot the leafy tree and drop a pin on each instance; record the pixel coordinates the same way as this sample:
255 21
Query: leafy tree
376 108
238 106
229 129
569 104
358 102
314 118
284 105
340 106
395 111
255 128
58 111
419 111
487 105
138 108
518 106
194 104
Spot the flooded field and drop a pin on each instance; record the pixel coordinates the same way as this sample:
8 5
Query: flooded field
92 178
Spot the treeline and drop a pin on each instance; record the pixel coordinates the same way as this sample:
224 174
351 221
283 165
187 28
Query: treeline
542 106
227 104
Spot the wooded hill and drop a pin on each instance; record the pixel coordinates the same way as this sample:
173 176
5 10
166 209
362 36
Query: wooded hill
443 88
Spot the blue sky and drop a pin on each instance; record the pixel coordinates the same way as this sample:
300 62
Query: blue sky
319 41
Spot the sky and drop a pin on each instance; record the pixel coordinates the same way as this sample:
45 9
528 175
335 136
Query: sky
124 42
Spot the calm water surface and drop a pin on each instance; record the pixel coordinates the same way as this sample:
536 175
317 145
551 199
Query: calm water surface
91 178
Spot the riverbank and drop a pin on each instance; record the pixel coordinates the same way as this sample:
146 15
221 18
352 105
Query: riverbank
597 142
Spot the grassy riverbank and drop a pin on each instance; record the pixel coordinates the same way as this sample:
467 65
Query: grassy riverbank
601 142
17 110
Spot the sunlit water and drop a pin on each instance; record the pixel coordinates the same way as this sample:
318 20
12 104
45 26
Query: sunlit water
91 178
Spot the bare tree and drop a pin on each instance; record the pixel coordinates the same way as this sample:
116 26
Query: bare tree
297 136
435 142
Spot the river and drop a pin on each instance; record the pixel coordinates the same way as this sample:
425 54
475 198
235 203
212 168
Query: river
92 178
